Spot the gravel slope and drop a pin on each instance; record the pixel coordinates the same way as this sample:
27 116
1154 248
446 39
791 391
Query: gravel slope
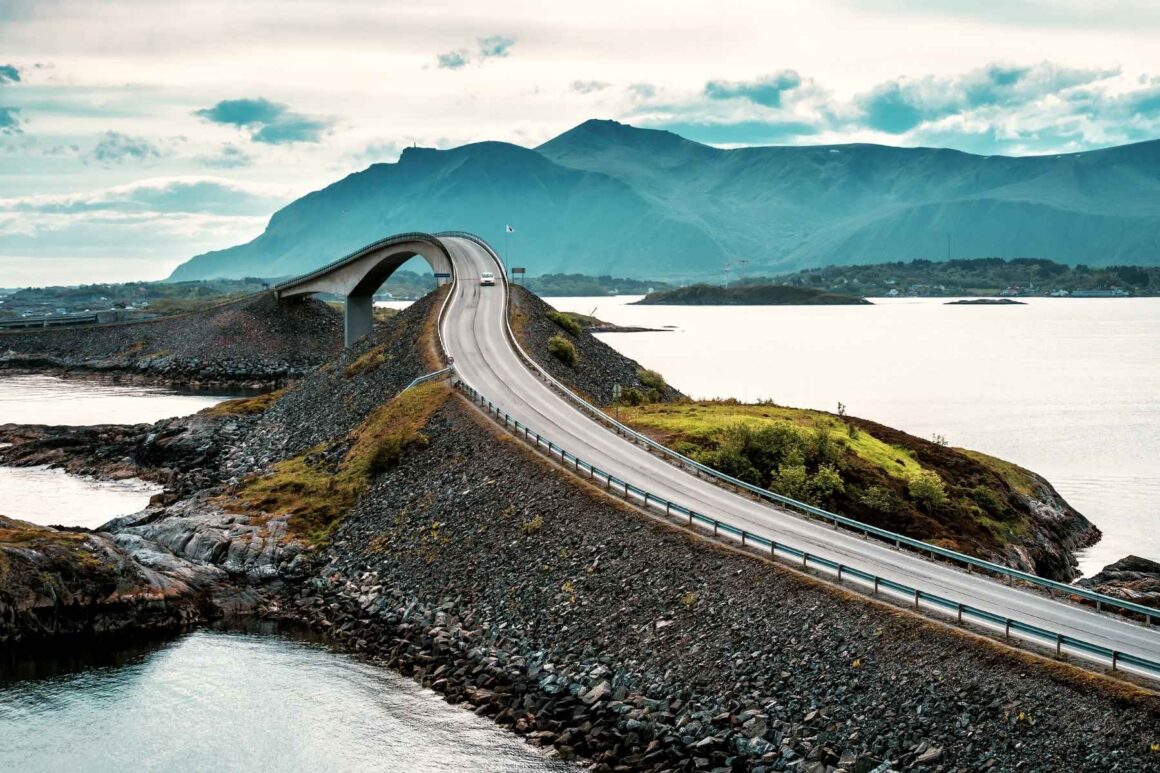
492 578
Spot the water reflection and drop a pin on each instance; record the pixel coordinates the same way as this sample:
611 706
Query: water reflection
239 701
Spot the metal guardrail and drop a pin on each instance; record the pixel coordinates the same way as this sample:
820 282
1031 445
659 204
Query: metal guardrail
429 377
1100 600
963 613
22 323
1118 661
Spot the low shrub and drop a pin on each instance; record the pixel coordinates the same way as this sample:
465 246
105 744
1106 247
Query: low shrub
987 499
926 488
565 322
650 379
880 499
562 349
633 396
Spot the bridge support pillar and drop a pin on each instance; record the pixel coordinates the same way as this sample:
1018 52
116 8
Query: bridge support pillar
359 317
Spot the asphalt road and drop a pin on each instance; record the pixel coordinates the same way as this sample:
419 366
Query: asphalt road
474 335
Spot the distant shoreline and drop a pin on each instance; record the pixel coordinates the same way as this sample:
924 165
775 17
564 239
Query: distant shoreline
749 295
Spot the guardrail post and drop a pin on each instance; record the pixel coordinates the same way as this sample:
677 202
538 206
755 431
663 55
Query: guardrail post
917 593
1099 606
1007 628
1058 644
1115 658
839 572
743 533
805 560
668 507
960 611
876 585
714 527
772 549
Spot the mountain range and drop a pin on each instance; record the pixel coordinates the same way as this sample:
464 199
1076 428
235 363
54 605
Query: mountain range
608 198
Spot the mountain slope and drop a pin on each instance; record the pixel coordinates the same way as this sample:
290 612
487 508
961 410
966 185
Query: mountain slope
609 198
793 207
564 217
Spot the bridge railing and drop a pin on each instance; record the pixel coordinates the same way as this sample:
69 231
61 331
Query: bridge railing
1012 629
1071 592
413 236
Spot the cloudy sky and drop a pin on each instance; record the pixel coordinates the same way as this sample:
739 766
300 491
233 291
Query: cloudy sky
135 133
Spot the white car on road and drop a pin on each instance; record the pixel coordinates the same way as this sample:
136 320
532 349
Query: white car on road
487 278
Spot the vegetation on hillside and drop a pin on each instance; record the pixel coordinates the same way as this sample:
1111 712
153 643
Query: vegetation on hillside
562 349
318 487
246 406
750 294
549 285
979 276
958 499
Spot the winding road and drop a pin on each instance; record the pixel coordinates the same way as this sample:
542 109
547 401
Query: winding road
474 334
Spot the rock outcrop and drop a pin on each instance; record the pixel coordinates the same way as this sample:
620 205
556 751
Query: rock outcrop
598 366
1131 578
67 583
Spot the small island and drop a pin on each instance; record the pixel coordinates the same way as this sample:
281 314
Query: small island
749 295
986 302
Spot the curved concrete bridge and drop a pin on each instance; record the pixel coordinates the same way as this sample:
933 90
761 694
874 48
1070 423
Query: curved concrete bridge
357 276
474 330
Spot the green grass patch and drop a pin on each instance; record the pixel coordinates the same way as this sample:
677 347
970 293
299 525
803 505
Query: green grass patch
368 362
1004 532
703 424
246 406
565 322
1015 476
316 490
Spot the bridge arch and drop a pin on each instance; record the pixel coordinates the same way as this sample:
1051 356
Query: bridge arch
358 275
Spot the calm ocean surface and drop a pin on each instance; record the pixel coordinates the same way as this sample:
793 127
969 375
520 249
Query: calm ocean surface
1069 388
51 497
236 701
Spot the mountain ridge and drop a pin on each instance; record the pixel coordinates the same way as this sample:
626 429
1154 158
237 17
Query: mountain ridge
609 198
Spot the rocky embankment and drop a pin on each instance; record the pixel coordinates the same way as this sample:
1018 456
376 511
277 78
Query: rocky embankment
598 366
185 559
469 563
255 341
495 580
1131 578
